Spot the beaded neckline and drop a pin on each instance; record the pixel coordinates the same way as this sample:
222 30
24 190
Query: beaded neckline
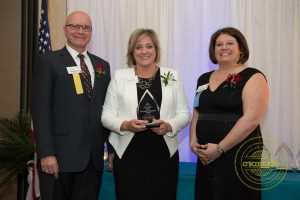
145 83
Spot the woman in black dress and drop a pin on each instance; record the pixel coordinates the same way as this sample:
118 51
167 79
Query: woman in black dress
230 103
145 108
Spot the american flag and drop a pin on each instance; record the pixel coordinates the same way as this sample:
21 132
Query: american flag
44 42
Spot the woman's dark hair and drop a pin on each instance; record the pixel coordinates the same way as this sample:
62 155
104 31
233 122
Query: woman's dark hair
243 46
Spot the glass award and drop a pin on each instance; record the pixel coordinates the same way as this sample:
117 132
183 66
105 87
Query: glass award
148 109
285 157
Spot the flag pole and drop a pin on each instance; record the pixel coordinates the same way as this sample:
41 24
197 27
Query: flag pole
29 21
42 45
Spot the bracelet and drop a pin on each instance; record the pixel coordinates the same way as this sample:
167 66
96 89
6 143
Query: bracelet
220 150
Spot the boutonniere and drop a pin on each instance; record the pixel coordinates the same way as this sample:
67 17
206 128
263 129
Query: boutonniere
99 71
232 80
202 87
199 90
167 78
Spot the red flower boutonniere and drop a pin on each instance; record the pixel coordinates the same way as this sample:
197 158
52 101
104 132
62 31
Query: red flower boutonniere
233 80
99 71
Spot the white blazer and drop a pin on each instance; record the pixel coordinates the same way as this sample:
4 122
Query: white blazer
121 103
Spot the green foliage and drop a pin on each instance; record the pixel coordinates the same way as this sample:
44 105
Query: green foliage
167 78
16 147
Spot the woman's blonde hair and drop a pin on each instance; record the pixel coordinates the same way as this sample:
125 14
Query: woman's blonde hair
137 34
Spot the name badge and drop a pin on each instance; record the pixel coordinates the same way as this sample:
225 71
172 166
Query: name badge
74 70
77 83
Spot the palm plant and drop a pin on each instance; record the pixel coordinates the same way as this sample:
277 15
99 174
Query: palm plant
16 146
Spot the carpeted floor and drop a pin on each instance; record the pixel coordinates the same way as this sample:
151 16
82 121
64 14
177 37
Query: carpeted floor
288 189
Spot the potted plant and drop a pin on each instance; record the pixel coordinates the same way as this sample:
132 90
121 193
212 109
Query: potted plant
16 146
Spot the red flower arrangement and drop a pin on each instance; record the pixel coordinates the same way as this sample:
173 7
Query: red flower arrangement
233 80
99 71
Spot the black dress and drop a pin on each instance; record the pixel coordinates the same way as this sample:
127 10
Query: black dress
146 171
218 112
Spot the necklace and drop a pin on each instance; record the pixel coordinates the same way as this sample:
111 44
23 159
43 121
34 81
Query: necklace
145 83
227 73
221 76
230 71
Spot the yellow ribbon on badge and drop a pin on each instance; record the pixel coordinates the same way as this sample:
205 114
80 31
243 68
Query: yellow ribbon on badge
77 83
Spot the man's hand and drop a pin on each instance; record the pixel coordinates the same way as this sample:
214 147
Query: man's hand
49 165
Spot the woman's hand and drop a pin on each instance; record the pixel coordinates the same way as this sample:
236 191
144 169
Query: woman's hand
196 148
164 127
134 125
210 151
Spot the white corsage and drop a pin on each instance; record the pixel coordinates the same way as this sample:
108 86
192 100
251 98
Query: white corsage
168 78
199 90
202 87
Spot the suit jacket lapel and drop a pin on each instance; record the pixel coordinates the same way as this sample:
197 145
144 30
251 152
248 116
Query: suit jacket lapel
97 81
69 61
131 91
66 57
167 94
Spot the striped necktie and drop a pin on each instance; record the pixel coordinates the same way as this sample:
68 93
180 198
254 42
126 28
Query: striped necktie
86 77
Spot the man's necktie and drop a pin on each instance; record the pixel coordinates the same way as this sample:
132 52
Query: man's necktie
85 74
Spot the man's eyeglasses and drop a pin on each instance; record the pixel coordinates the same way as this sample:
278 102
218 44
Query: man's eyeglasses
76 27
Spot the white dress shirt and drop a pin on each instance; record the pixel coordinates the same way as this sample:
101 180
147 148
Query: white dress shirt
87 61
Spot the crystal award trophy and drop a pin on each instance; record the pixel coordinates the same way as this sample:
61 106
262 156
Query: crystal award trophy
148 109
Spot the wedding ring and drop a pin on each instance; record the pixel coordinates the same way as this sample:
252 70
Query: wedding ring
47 172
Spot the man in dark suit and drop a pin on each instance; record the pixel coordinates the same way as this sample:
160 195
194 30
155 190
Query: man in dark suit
67 102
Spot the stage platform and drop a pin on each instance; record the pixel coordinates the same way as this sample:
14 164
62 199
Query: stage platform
288 189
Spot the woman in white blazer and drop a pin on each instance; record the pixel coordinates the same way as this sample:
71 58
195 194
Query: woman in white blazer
145 108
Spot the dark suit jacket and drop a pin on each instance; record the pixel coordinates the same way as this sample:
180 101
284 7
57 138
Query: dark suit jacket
66 124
